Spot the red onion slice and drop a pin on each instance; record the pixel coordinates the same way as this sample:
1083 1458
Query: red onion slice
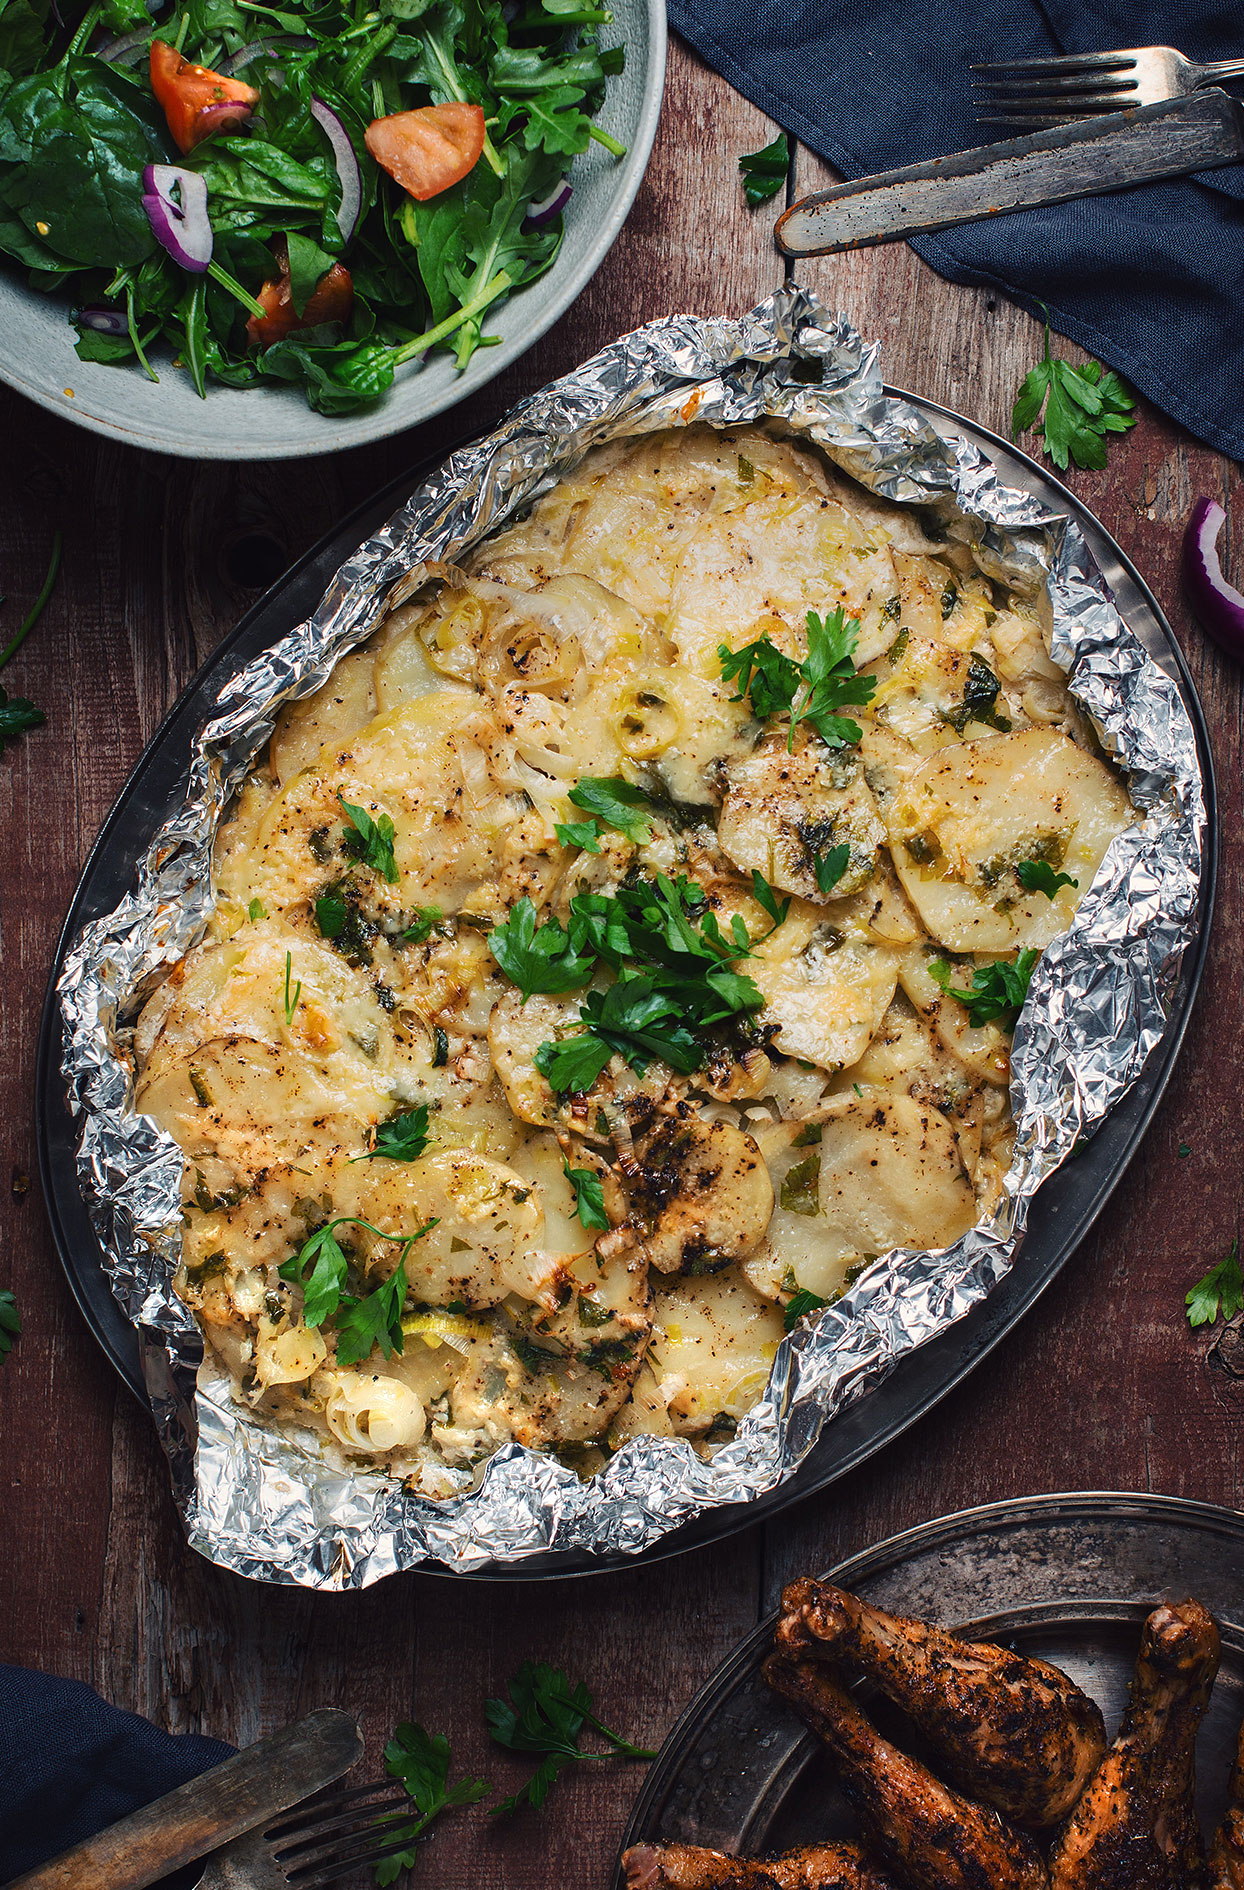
176 204
1218 605
280 42
125 51
552 205
105 321
345 157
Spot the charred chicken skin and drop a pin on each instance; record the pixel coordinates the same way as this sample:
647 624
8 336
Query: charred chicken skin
1135 1827
1226 1859
930 1836
687 1867
1015 1733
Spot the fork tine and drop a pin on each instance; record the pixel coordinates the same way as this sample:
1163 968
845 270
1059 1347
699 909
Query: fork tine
1048 104
333 1806
1078 86
330 1870
364 1822
1057 64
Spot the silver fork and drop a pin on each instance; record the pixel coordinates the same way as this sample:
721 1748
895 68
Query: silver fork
317 1844
1052 91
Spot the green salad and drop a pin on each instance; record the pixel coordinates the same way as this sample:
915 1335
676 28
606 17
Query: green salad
314 192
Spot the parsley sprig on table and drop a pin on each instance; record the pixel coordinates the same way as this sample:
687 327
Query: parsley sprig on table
810 691
10 1323
764 172
322 1268
1220 1294
1082 406
421 1760
17 713
545 1714
997 991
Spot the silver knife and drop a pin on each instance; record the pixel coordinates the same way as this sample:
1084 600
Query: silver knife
1086 159
240 1795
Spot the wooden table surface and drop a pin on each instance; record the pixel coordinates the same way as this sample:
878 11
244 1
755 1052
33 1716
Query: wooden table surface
1102 1386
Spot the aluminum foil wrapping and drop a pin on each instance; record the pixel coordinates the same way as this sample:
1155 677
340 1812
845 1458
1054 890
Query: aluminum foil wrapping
265 1502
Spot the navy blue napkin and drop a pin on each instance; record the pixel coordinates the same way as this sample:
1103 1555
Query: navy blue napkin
71 1764
1150 280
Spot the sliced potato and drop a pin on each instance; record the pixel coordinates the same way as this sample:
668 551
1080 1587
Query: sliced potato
824 994
891 1176
338 709
784 813
701 1193
713 1343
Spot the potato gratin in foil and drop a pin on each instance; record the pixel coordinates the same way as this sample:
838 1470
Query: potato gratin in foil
617 955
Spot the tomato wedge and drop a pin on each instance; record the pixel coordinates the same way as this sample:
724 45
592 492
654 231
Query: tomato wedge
330 301
197 101
429 149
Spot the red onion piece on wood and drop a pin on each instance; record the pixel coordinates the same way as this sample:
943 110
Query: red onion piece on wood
1217 603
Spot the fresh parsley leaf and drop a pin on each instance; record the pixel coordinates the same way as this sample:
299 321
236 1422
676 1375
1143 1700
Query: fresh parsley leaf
256 911
17 715
1183 1150
578 833
363 1324
324 1285
402 1138
291 1002
421 1760
330 915
612 800
425 921
1082 405
800 1303
370 841
829 867
765 897
640 1022
812 691
765 172
998 990
1039 876
589 1196
980 697
545 1714
574 1063
1220 1295
10 1323
538 957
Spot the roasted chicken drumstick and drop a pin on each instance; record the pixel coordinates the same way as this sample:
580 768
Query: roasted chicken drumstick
1226 1859
1015 1733
687 1867
1135 1826
933 1838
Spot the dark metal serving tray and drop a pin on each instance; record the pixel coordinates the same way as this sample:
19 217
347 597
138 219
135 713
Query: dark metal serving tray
1062 1213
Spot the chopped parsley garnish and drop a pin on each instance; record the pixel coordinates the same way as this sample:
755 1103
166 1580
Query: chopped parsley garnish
330 915
979 699
1082 405
611 800
10 1323
256 911
363 1324
420 1759
812 691
589 1198
800 1303
545 1714
538 957
765 897
1039 876
17 714
1220 1295
828 868
579 833
998 990
765 172
402 1138
370 841
291 1003
321 1268
426 919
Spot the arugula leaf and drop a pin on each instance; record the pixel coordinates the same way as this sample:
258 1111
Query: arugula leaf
10 1323
16 716
589 1196
537 958
426 919
402 1138
1082 405
828 868
370 841
800 1303
765 172
545 1714
979 698
812 691
998 990
579 833
1220 1295
611 799
1039 876
421 1760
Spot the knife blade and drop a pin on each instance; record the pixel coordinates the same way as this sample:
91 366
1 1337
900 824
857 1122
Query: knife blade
1086 159
239 1795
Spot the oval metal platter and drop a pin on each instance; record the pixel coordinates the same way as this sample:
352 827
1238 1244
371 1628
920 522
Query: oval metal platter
1062 1213
1068 1579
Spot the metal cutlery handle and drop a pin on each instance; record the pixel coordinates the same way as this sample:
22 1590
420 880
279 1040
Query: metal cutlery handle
1213 71
234 1797
1112 152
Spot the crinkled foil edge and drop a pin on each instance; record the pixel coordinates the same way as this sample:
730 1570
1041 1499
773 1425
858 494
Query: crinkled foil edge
266 1503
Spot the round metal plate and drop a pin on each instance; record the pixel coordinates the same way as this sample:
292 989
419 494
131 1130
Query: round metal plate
1062 1213
1067 1579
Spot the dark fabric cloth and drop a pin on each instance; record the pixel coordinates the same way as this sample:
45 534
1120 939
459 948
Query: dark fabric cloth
1150 280
71 1764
